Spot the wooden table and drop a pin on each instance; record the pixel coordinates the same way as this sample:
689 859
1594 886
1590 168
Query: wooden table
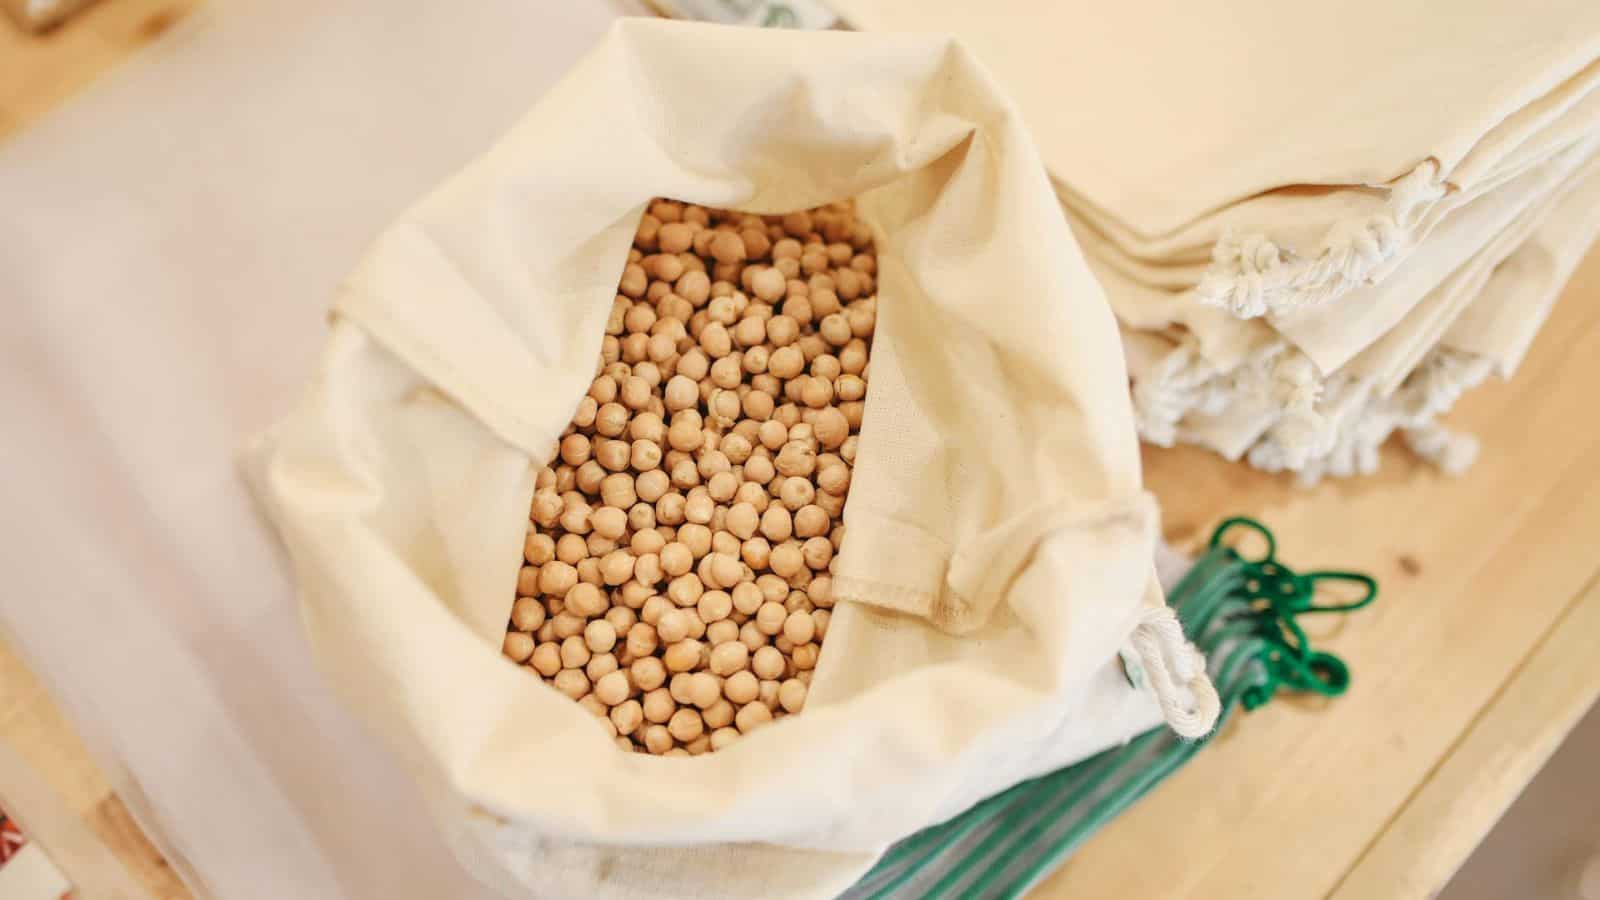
1477 660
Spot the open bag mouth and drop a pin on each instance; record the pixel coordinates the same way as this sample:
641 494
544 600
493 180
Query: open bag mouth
999 544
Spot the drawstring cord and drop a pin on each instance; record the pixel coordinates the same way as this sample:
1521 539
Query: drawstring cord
1267 600
1266 607
1177 673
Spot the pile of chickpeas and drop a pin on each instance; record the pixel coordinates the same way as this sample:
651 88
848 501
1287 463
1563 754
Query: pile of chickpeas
679 547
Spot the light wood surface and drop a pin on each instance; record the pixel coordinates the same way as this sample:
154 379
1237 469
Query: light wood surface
1477 659
1502 751
1479 655
61 799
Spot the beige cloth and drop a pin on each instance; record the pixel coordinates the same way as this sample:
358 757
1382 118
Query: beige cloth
999 548
1517 297
1282 122
1296 205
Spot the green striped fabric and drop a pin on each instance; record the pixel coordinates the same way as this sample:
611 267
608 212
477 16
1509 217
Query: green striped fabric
1242 613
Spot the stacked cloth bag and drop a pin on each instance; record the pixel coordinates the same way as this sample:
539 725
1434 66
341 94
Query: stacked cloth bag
1317 227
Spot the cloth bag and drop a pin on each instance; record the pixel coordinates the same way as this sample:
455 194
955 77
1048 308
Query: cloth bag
1332 197
999 543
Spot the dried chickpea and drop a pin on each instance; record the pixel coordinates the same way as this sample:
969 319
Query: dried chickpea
616 567
556 578
799 628
796 458
756 552
685 590
669 509
518 646
565 624
796 492
752 716
703 690
633 594
685 725
627 716
612 689
642 640
574 653
546 659
811 521
743 520
757 404
768 693
676 558
728 658
572 682
528 581
586 600
722 631
599 545
776 523
601 665
817 551
682 656
834 479
527 614
600 636
805 656
714 605
657 739
686 432
647 673
821 618
722 486
697 537
658 706
832 504
787 559
741 687
792 695
679 687
697 630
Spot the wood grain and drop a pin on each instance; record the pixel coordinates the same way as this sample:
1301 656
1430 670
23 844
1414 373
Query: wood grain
94 869
1483 773
111 822
52 787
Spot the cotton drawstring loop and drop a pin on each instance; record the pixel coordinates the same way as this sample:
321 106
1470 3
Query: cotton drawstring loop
1251 276
1177 673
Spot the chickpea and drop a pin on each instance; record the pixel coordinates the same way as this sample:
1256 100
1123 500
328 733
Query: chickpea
572 682
752 716
519 646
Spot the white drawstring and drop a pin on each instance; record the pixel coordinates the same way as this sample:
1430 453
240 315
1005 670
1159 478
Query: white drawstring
1250 276
1176 670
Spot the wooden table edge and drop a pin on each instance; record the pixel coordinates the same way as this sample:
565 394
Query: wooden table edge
1489 765
92 867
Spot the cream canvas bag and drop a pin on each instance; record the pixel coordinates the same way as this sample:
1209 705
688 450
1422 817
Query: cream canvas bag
999 549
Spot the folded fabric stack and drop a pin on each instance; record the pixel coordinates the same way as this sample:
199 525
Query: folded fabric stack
1318 226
